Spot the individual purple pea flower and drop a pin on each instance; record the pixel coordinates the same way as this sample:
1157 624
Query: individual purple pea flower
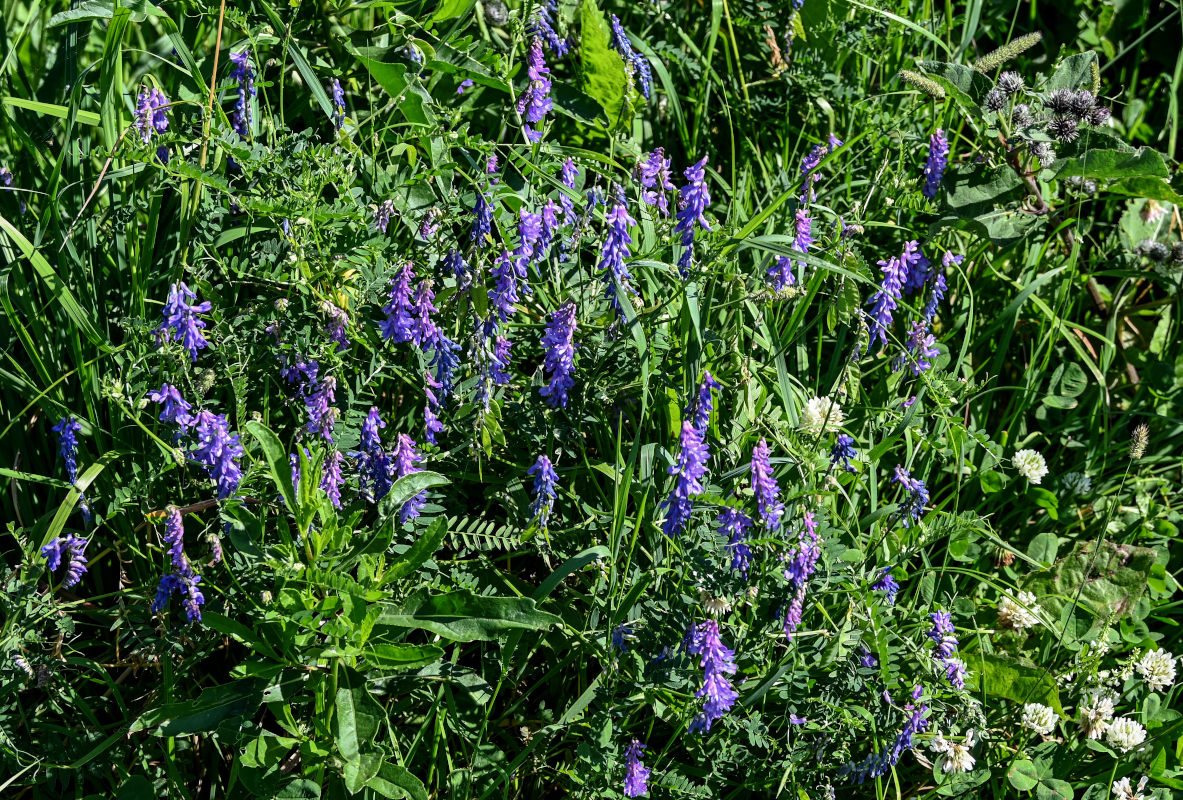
567 175
764 485
405 458
690 469
322 415
331 477
535 102
636 774
920 347
174 539
382 213
735 525
693 199
934 166
338 98
912 506
52 553
842 452
544 26
867 659
887 584
654 171
545 481
67 430
718 661
176 408
886 300
151 113
181 321
464 85
218 451
559 362
701 406
613 270
399 325
244 74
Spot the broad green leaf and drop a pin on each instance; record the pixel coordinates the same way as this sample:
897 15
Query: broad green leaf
407 487
299 789
396 782
357 716
236 700
1043 548
1023 775
1003 676
389 68
966 85
1074 72
402 656
105 9
277 460
449 9
604 77
420 551
466 617
571 565
1054 789
1151 188
136 787
1112 164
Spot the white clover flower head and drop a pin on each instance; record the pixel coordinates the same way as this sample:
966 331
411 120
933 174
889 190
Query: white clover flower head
1017 614
955 756
1123 791
1095 714
821 415
1030 465
1157 668
1077 484
1125 734
1039 718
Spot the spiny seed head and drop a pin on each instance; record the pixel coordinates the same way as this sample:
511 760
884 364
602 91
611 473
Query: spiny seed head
1066 129
1089 186
1082 102
996 59
1044 152
1138 441
1177 252
1059 101
1099 115
929 87
1010 82
1155 251
1020 116
995 100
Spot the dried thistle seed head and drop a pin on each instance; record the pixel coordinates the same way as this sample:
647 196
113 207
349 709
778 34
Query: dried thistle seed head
1010 82
1059 101
1099 115
996 59
1020 116
1177 252
1066 129
995 100
1082 102
1155 251
1089 186
1044 152
1139 440
926 85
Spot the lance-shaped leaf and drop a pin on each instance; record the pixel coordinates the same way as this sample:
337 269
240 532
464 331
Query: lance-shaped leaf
466 617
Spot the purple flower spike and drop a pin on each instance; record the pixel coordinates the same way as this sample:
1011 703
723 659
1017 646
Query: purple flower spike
181 321
244 73
176 408
735 525
559 341
635 63
938 160
507 272
567 175
913 503
174 538
331 477
322 415
218 451
68 550
636 774
405 458
616 249
545 481
151 113
690 469
942 635
887 584
338 104
809 166
399 325
67 430
842 452
764 485
535 103
921 346
886 300
655 180
700 408
693 200
544 27
717 662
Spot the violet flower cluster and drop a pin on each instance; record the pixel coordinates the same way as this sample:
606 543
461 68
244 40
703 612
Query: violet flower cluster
559 362
735 525
690 469
338 100
244 74
405 457
916 497
934 166
718 661
635 63
876 765
373 462
68 550
693 199
654 172
636 774
765 488
918 349
809 165
535 102
801 566
544 27
218 450
842 452
945 648
888 585
613 270
701 406
181 578
545 481
181 321
151 113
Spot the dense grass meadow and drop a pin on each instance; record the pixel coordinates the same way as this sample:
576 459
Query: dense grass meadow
575 398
